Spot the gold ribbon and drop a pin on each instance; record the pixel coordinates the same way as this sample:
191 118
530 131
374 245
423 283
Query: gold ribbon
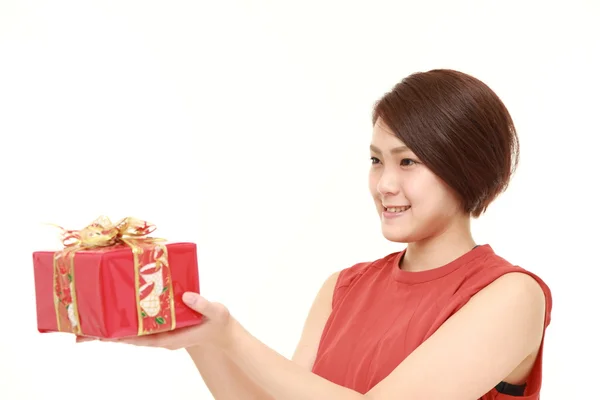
102 233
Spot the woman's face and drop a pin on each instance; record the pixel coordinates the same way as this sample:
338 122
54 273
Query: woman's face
412 202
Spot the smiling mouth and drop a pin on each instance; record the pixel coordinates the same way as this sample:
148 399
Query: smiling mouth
396 209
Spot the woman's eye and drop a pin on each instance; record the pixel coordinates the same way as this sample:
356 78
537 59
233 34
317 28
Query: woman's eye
407 162
374 160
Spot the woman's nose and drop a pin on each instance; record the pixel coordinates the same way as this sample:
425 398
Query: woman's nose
389 183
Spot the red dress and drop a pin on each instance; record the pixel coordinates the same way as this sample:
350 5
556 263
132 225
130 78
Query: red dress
382 313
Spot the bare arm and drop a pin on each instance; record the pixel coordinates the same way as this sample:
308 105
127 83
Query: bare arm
504 322
226 380
292 380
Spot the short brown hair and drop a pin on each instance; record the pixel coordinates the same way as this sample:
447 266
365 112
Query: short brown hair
459 128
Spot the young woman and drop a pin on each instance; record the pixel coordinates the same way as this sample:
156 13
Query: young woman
442 319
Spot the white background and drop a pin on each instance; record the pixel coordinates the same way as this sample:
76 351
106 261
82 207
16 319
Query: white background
244 126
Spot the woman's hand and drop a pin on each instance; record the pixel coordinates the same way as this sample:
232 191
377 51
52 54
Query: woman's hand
214 330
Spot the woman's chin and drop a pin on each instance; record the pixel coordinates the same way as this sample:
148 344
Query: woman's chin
396 235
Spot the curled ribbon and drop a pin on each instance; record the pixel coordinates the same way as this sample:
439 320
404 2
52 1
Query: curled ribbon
100 233
103 233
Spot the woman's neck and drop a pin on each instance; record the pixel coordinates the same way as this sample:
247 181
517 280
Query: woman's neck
439 250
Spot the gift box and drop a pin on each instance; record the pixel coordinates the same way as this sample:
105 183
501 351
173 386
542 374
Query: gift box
114 281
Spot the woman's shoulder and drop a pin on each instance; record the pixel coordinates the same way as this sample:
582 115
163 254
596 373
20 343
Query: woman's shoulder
349 274
493 266
494 270
362 271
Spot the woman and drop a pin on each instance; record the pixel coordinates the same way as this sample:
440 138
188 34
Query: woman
442 319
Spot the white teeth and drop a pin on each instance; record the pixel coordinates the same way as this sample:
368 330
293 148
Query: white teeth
397 209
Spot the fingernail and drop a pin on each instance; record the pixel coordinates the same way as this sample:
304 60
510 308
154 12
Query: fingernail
189 299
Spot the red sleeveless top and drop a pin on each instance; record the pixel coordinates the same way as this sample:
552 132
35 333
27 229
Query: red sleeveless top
381 314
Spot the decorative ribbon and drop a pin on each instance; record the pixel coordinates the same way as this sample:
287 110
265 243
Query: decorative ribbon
156 311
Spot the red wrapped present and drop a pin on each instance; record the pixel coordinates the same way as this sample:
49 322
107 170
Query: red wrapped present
113 280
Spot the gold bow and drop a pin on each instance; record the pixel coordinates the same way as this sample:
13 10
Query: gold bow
103 233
